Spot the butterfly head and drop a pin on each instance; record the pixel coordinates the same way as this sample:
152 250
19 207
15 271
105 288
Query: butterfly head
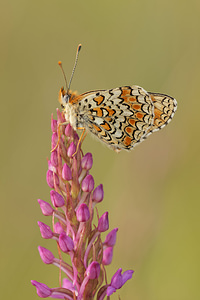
63 97
66 97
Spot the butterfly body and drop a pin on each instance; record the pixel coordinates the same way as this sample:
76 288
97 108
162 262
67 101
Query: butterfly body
121 117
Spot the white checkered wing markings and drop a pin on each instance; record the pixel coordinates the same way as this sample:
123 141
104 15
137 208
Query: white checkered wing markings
164 109
93 112
120 117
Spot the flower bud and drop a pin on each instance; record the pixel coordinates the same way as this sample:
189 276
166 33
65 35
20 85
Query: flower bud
56 199
59 116
66 243
53 125
54 140
110 239
46 255
66 173
107 256
83 213
68 130
43 290
50 167
46 208
87 161
88 183
58 228
103 223
98 193
71 150
50 179
93 270
54 158
45 230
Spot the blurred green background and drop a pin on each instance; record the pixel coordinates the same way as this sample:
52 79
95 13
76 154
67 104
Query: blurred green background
151 193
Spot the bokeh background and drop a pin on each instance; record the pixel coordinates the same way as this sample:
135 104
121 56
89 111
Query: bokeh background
151 193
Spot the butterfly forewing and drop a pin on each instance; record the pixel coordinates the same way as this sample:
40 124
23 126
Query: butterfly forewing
119 117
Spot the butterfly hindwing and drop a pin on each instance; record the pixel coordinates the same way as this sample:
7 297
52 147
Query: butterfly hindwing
164 109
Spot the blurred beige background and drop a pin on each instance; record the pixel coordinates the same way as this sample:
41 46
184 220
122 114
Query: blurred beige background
151 193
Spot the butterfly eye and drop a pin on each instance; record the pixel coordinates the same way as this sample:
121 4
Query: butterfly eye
63 97
66 98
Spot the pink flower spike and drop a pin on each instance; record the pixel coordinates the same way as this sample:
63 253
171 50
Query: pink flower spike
110 239
98 194
46 255
87 161
83 213
66 172
93 270
103 223
46 208
71 150
56 199
107 256
88 183
77 228
66 243
45 230
43 290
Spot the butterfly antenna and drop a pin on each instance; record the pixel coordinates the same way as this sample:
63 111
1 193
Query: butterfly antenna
76 60
60 64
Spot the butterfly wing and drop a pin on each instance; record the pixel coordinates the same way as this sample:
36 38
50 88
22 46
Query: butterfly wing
164 109
120 117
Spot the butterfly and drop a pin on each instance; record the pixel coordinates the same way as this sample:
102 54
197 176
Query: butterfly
122 117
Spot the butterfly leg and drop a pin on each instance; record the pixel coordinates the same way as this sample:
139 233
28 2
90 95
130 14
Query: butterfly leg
59 134
82 137
117 150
